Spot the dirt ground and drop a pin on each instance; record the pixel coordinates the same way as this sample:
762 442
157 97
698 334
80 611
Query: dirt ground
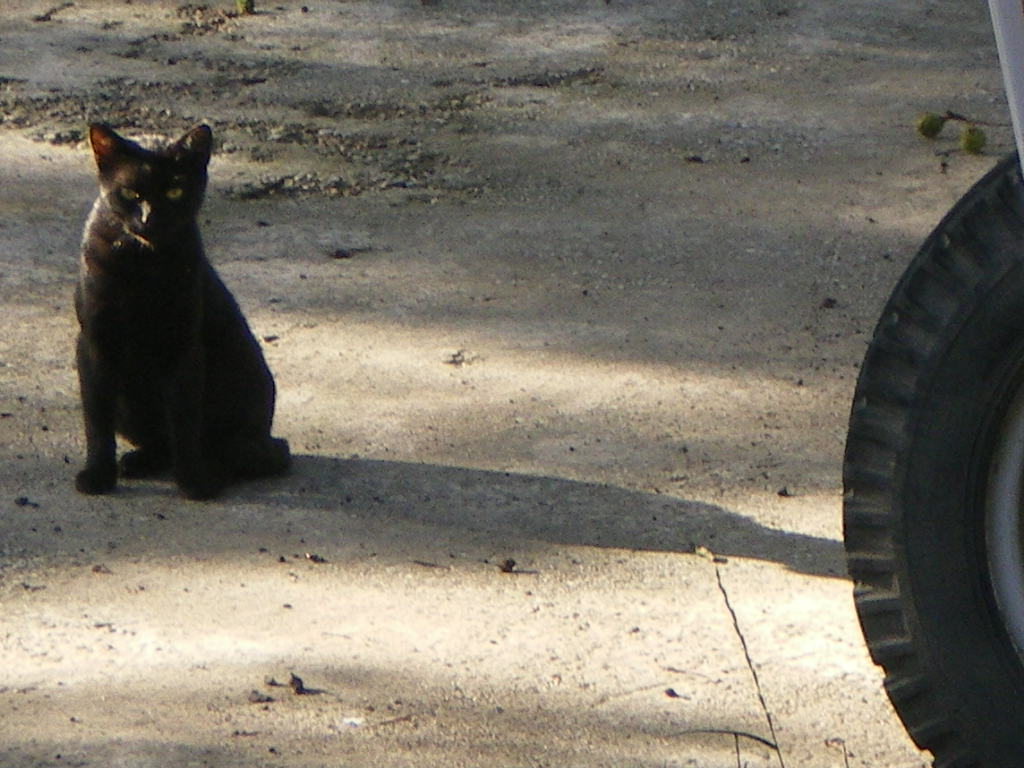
565 301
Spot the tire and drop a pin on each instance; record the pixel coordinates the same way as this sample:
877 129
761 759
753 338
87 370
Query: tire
932 478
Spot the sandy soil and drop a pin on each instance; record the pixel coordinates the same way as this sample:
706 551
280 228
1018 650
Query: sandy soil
565 301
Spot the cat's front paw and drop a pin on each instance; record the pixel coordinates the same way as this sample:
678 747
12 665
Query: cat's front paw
96 480
200 486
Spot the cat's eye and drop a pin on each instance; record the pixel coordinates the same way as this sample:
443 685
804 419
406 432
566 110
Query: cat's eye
175 193
128 194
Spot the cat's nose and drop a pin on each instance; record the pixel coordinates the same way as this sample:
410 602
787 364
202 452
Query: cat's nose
144 211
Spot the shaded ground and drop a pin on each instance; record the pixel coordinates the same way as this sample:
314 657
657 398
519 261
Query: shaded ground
565 301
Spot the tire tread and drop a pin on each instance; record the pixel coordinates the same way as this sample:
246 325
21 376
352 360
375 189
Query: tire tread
949 270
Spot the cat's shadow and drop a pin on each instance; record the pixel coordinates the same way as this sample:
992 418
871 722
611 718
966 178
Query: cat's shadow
511 507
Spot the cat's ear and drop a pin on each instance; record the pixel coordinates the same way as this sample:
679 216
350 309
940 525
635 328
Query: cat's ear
106 145
195 145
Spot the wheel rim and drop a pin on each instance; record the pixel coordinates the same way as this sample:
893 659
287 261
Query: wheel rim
1003 520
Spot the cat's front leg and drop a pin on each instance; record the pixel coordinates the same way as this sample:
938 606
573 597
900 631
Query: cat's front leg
98 394
193 472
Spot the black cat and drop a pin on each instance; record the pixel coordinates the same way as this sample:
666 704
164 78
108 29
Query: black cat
165 357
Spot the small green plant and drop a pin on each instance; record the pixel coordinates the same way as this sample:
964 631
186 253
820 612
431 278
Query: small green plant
245 6
972 138
930 124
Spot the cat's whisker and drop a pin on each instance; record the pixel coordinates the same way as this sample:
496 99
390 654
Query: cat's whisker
139 238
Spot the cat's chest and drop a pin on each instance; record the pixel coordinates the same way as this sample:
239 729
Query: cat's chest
140 306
